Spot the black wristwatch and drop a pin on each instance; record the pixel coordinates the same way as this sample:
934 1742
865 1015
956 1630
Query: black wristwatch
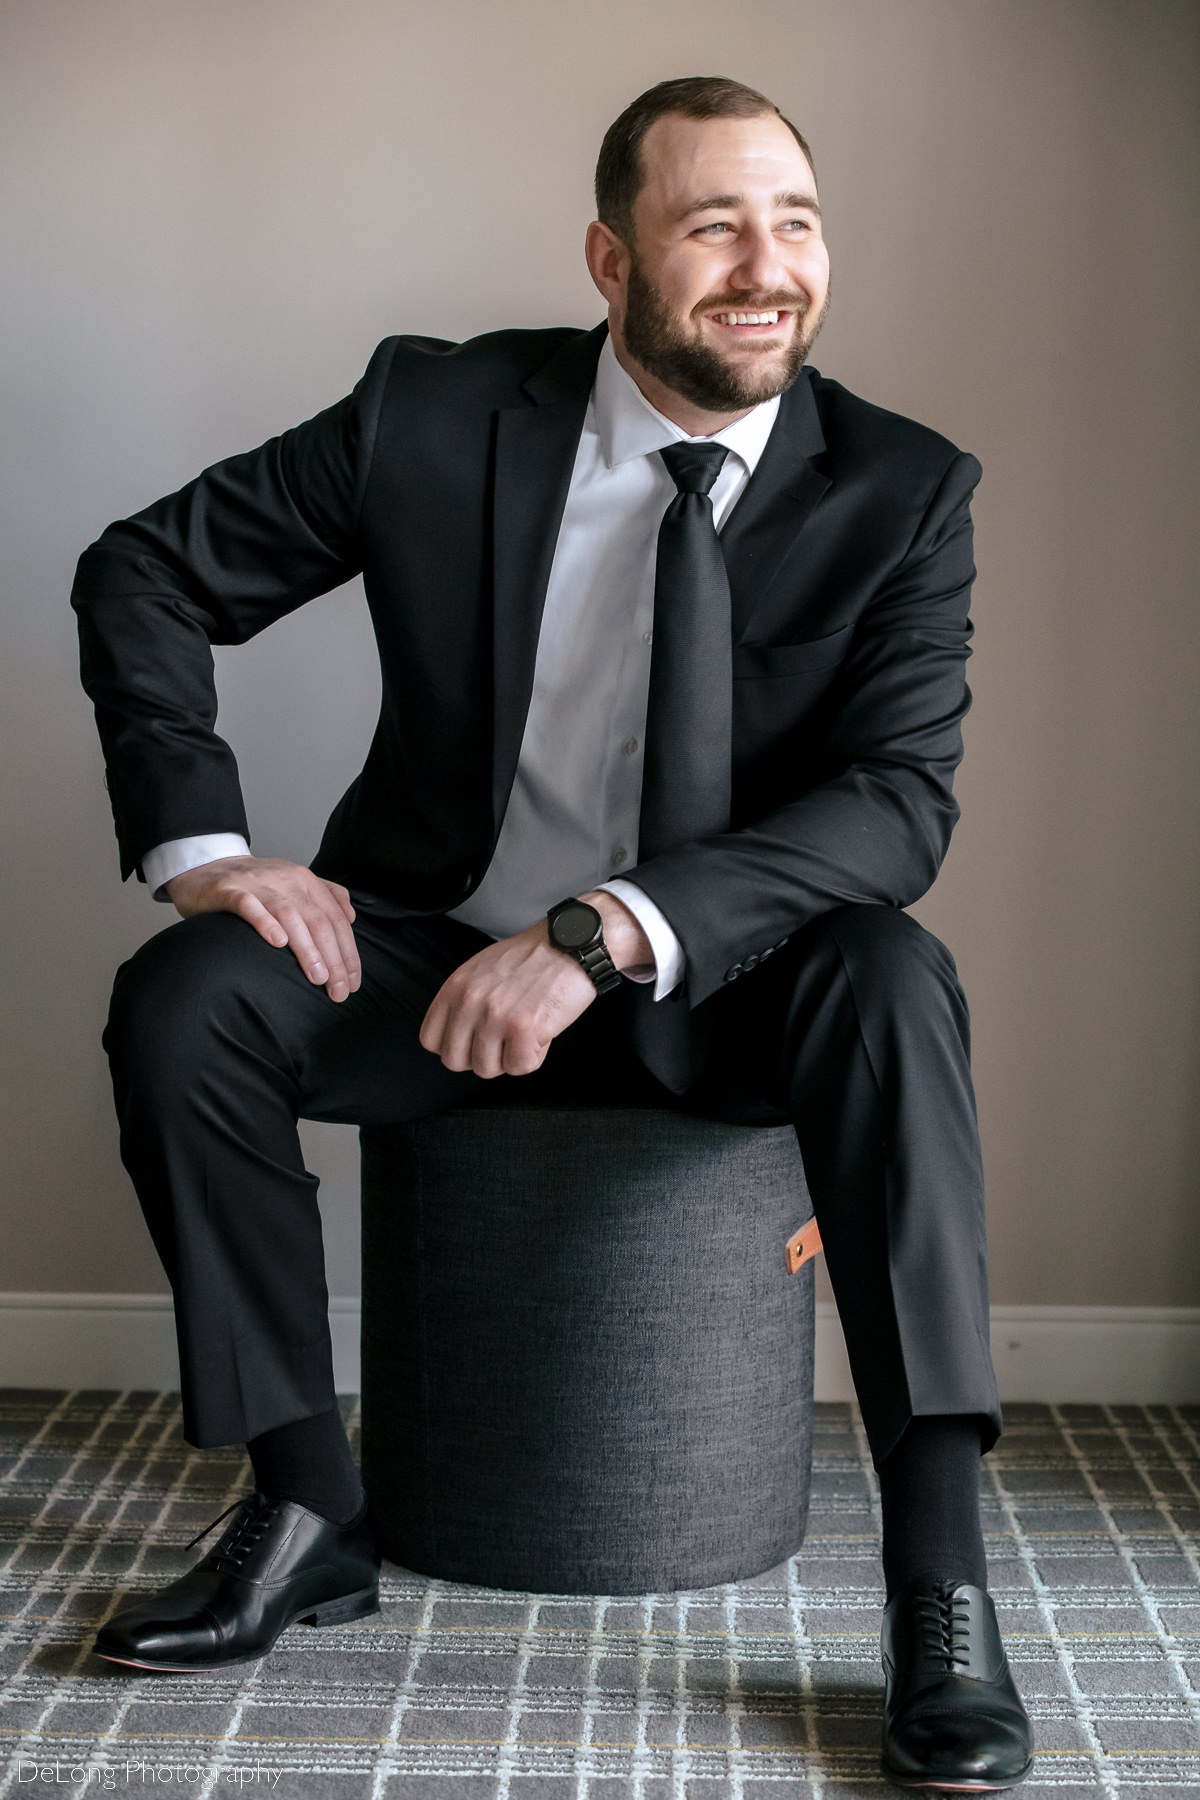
577 930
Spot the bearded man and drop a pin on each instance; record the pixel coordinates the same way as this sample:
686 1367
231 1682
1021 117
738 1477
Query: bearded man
670 626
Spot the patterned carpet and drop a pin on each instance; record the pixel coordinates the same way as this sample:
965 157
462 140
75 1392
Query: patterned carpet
765 1691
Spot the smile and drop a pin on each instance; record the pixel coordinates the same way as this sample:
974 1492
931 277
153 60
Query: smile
758 319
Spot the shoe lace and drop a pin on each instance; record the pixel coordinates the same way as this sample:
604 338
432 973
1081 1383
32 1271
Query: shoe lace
945 1627
243 1534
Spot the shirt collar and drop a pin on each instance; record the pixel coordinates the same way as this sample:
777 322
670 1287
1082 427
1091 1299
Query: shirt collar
628 426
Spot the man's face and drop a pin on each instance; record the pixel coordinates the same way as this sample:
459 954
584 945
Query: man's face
726 284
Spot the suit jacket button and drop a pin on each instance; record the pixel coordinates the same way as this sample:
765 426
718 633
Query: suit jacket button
769 951
732 974
752 962
781 943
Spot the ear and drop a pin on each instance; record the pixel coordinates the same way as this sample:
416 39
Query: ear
608 263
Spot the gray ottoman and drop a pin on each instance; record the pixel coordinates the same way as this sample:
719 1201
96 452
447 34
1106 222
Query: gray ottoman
586 1367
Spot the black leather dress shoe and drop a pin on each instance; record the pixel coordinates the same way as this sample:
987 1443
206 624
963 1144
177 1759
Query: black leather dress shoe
953 1717
276 1563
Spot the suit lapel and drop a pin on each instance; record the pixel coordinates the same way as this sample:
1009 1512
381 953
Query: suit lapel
535 454
767 520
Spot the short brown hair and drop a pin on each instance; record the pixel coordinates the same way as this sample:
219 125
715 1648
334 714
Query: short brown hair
619 172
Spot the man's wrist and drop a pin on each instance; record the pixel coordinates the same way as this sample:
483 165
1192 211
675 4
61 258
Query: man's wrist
180 855
666 967
627 943
171 889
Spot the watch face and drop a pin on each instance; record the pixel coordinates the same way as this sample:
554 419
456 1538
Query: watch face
575 926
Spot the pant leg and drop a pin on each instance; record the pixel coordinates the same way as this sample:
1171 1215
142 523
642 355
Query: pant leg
217 1044
858 1031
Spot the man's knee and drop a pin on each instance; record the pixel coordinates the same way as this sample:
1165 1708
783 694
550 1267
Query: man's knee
183 985
885 952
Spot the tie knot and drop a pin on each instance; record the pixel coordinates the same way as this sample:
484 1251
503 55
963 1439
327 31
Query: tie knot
694 467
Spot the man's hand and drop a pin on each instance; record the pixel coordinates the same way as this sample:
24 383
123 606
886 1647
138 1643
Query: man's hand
499 1013
287 905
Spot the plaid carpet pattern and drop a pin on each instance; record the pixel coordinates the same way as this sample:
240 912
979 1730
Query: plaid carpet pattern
768 1690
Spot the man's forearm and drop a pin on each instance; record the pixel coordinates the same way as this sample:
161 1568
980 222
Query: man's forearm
246 542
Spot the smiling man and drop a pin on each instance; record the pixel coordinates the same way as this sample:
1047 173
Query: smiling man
715 297
672 634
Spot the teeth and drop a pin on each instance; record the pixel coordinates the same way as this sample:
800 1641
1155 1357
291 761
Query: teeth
746 318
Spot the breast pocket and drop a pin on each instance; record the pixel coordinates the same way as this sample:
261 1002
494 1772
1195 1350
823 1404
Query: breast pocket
778 692
767 662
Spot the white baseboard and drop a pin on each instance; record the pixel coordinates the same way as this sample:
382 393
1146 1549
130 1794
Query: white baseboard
1115 1355
121 1341
1118 1355
1075 1355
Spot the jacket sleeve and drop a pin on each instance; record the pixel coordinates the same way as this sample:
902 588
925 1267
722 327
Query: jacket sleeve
873 809
250 540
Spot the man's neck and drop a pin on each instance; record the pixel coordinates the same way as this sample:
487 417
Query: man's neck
695 420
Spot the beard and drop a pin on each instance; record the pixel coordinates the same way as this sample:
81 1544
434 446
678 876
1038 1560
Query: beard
697 371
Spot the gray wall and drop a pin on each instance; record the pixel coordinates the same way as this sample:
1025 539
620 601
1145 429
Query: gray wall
215 210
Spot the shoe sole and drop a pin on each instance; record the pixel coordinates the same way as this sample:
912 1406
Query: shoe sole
330 1612
956 1787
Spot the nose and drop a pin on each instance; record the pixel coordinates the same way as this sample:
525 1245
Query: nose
760 262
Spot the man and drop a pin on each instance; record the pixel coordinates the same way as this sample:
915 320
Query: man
733 757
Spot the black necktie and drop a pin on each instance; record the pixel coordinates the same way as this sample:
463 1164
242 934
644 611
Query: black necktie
685 774
686 767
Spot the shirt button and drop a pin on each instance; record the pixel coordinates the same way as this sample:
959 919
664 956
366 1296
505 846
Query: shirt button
618 857
647 637
629 746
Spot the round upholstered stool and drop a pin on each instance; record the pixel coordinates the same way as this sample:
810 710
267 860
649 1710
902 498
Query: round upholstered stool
586 1367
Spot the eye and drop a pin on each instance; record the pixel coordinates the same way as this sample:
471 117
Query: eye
796 226
717 228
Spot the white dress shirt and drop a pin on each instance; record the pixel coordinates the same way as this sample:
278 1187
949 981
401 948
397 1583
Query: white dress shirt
572 818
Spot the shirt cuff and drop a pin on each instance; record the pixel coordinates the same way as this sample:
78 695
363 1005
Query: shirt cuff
177 856
666 949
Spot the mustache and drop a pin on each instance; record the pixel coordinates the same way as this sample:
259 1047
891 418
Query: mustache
750 300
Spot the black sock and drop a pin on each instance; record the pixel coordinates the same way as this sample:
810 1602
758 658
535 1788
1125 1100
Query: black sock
929 1489
309 1461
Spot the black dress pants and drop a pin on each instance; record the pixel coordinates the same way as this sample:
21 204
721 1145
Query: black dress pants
856 1031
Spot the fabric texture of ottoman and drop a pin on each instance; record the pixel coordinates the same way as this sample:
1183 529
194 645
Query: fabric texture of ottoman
585 1365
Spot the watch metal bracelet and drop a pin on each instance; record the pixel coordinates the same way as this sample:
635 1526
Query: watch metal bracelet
597 963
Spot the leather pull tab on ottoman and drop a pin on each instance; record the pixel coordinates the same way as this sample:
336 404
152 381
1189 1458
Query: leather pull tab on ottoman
802 1246
586 1367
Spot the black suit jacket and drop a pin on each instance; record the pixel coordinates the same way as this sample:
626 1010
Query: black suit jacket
442 478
